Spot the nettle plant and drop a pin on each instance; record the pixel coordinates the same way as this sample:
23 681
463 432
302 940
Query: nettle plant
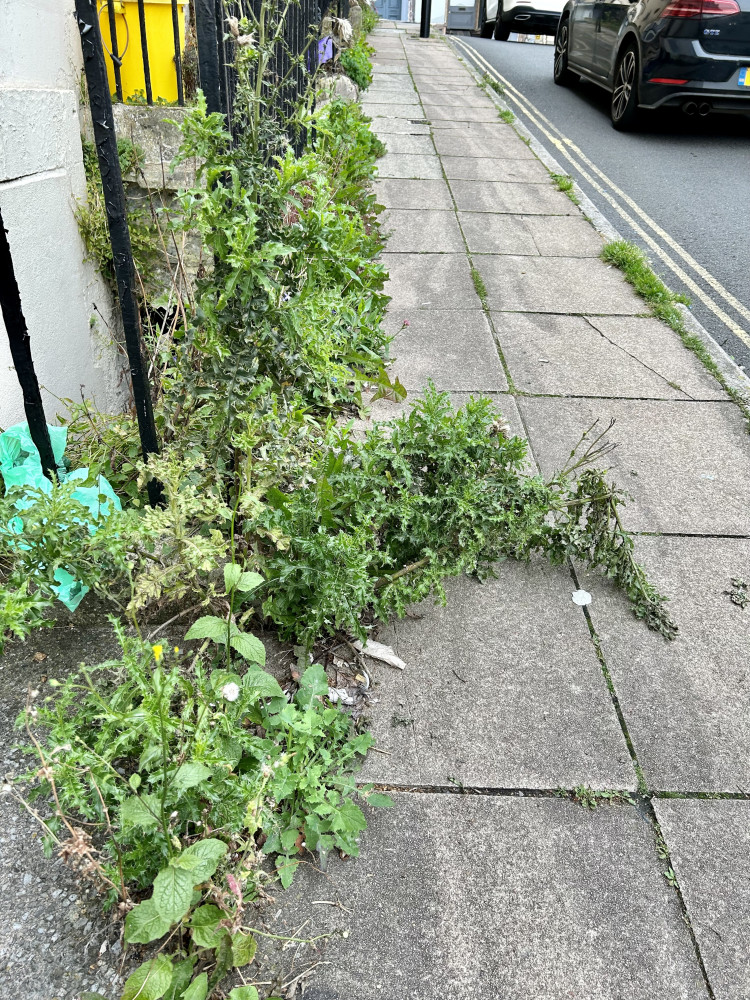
187 784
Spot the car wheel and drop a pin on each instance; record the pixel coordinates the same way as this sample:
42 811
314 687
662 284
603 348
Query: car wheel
487 28
562 75
502 30
624 108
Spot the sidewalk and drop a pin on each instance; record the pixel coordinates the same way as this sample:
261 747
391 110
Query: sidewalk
512 690
490 879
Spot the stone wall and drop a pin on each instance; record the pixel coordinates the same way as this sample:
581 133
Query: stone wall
41 178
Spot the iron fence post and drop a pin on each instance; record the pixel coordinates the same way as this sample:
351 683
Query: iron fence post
208 54
105 139
20 352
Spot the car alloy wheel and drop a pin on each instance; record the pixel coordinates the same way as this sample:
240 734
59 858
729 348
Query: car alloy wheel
561 73
624 96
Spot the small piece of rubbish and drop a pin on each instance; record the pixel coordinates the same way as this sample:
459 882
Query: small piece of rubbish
581 597
379 651
340 694
544 361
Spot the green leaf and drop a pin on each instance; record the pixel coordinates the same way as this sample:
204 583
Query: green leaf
205 926
198 989
286 868
248 582
190 774
313 684
249 648
209 853
379 800
150 981
140 810
243 993
145 923
244 947
134 781
173 890
208 627
262 683
182 973
232 574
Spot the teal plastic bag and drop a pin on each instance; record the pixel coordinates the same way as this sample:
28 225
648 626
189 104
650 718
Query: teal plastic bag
21 466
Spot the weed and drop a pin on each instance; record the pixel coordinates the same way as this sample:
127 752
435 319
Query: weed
633 263
565 184
507 116
91 216
739 593
490 81
480 287
355 62
590 798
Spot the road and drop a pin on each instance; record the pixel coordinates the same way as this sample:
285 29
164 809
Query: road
681 183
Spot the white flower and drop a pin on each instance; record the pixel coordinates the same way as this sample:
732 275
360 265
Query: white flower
230 692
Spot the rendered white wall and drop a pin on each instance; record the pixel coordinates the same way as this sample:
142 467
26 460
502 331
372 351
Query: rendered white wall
41 178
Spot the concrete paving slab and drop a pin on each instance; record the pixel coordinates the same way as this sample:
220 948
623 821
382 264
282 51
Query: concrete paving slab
709 844
497 234
515 198
686 702
419 144
413 194
383 110
481 898
412 165
399 126
456 351
686 465
529 707
467 98
421 232
561 236
382 69
403 97
480 168
569 356
556 285
430 281
545 235
497 141
431 85
391 84
439 112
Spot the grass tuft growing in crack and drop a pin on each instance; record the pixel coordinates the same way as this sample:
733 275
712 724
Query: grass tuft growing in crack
480 287
634 265
565 184
506 116
489 81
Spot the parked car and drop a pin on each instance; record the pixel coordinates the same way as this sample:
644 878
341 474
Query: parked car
689 54
532 17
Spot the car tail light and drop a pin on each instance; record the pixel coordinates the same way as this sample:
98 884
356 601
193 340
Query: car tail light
667 80
701 8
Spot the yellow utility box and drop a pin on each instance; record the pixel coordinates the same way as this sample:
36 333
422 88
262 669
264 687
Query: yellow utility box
160 38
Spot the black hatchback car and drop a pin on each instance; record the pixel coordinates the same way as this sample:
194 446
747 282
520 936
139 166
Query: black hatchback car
688 54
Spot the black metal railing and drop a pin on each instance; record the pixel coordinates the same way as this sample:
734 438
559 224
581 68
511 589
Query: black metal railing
212 47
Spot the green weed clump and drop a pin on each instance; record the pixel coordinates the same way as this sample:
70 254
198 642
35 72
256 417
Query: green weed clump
91 216
635 267
355 62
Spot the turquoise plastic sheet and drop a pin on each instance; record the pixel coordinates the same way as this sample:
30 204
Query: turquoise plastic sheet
21 466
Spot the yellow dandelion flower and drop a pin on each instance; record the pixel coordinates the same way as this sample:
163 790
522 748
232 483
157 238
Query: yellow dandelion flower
158 652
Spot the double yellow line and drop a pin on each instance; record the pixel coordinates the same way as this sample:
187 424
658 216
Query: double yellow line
617 198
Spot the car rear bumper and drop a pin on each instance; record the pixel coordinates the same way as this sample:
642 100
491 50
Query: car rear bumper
534 22
712 78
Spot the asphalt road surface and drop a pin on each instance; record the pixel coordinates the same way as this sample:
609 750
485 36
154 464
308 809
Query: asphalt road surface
679 186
